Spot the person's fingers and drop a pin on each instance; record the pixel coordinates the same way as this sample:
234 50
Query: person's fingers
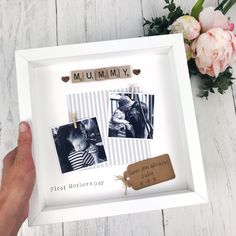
9 158
7 162
24 142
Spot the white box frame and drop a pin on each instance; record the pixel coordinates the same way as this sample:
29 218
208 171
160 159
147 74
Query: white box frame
170 45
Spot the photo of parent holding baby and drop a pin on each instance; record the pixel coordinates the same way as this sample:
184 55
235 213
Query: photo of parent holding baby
79 147
131 115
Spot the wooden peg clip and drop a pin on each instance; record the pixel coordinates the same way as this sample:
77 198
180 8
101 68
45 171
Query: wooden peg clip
74 119
132 90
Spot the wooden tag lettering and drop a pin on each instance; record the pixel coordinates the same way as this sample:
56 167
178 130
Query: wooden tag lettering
149 172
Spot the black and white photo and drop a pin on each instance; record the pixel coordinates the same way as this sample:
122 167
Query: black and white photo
131 115
79 147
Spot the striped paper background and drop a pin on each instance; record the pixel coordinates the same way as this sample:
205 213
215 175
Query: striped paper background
119 151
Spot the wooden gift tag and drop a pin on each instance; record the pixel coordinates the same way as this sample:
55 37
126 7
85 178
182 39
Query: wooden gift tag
149 172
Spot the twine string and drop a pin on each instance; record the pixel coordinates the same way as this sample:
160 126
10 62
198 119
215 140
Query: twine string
124 181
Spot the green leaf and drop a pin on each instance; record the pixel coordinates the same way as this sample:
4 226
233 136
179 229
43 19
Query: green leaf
224 85
221 5
227 6
212 90
220 91
197 8
160 25
171 7
205 94
210 83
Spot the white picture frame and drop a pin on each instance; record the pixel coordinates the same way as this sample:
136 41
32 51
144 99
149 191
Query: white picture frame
37 94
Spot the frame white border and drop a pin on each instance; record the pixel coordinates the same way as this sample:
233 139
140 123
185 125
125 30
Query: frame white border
173 46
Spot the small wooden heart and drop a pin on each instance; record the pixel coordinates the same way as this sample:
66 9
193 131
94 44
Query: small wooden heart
65 78
136 71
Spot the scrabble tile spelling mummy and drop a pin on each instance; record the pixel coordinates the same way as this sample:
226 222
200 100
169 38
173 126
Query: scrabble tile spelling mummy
101 74
125 72
113 72
77 76
89 75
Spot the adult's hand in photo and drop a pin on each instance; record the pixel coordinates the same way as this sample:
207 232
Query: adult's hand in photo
18 178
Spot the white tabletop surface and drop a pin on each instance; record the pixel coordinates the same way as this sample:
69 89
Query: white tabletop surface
39 23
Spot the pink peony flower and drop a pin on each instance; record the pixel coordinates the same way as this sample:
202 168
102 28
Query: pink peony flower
214 51
188 51
209 18
231 26
187 25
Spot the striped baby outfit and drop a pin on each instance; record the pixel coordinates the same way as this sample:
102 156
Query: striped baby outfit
80 159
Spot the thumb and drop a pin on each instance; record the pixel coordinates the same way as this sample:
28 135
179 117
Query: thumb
24 141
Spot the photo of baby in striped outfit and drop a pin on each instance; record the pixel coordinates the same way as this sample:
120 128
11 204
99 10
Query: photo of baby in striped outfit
79 147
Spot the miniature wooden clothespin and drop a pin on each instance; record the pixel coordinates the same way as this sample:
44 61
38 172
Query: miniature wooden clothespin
74 118
132 90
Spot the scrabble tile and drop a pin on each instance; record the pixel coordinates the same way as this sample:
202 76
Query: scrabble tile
89 75
125 72
77 76
101 74
113 72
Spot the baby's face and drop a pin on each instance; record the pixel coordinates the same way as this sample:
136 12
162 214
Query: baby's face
119 114
79 143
